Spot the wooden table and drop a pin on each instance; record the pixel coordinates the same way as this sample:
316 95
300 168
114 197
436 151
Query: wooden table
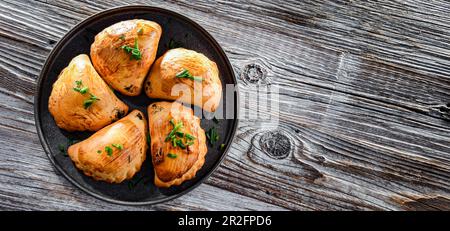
364 121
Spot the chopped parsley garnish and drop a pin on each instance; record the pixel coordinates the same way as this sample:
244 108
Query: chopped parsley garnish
212 135
174 142
180 144
185 74
132 184
118 146
174 44
134 51
87 103
83 90
171 155
80 88
148 139
190 137
174 130
140 31
62 148
72 141
122 37
176 137
109 150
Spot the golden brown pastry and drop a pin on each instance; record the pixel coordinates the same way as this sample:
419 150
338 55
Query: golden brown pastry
123 53
197 74
80 100
116 152
178 144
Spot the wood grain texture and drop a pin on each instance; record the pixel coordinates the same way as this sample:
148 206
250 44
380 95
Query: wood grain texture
364 105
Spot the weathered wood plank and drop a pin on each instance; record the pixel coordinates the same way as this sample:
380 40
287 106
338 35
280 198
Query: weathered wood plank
364 104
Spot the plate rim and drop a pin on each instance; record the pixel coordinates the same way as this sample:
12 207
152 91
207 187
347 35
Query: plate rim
57 48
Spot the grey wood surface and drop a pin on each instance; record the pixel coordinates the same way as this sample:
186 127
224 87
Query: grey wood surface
364 105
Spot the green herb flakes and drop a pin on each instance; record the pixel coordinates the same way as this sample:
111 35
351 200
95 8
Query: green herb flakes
118 146
109 150
62 148
174 44
189 137
134 51
185 74
92 99
171 155
148 139
83 90
80 88
178 138
212 135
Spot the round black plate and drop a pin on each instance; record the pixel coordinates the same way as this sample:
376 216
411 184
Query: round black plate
177 30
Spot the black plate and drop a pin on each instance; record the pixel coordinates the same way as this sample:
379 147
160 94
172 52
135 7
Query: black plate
140 190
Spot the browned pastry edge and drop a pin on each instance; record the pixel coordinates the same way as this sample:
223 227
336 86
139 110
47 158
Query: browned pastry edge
98 174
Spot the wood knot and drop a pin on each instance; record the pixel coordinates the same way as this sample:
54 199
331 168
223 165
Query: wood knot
440 110
276 144
444 108
253 73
